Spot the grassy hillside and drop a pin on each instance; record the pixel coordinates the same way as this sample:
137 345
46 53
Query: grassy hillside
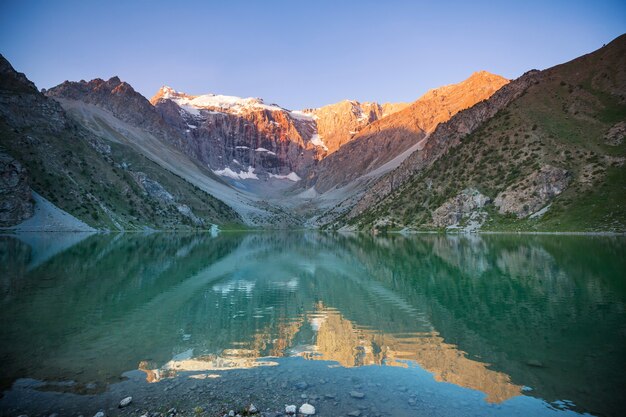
561 121
100 187
106 184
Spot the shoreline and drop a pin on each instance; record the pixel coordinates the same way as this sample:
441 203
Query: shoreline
14 232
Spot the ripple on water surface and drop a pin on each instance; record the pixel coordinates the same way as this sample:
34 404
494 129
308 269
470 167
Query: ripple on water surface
493 325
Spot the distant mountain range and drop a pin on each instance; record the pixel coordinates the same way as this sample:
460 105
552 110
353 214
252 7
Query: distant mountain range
543 152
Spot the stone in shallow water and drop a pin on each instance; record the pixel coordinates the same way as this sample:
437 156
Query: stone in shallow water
535 363
126 401
355 413
307 409
252 409
99 414
302 385
290 409
357 394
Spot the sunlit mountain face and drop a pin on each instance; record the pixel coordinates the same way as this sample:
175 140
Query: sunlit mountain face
494 324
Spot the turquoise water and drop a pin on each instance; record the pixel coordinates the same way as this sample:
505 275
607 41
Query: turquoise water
421 325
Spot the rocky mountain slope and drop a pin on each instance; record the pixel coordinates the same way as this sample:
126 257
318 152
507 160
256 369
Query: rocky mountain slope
242 138
106 184
114 111
385 139
16 202
337 124
546 152
245 138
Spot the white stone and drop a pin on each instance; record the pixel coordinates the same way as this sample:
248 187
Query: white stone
252 409
126 401
307 409
290 409
99 414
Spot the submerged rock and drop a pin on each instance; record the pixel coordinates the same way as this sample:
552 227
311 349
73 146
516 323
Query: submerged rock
252 409
357 394
99 414
535 363
290 409
302 385
126 401
307 409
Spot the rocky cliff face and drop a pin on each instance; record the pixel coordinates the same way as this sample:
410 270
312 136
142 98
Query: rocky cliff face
383 140
16 203
22 106
242 138
337 124
122 100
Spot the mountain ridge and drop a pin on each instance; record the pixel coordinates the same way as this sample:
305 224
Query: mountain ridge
585 95
515 153
103 183
382 140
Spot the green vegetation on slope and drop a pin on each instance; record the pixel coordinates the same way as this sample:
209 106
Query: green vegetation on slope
560 121
93 180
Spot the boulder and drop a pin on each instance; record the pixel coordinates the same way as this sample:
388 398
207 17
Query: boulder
307 409
126 402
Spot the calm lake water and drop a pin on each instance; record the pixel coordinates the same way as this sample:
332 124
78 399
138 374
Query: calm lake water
422 325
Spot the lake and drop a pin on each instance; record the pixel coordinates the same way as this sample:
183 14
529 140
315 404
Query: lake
356 325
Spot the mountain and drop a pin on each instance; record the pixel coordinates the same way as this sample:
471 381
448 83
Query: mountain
245 138
120 100
242 138
542 152
546 152
337 124
61 176
392 138
114 111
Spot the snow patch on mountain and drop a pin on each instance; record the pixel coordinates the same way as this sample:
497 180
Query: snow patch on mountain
264 150
241 175
292 176
317 141
297 114
193 104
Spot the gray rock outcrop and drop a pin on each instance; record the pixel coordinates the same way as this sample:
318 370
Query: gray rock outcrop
615 135
533 192
459 208
16 203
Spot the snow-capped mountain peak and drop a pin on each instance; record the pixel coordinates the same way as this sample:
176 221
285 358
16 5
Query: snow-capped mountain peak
213 102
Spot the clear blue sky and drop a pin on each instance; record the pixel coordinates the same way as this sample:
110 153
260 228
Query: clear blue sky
298 53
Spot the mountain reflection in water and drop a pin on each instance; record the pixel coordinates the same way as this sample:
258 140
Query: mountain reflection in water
493 313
